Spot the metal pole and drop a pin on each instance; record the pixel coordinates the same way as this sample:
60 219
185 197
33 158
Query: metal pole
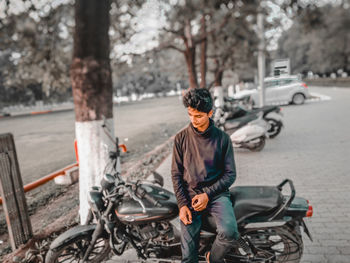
261 59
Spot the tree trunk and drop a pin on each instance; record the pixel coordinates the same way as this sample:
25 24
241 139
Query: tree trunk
218 90
218 78
203 54
92 92
190 56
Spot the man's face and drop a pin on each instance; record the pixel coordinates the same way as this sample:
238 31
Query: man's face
199 120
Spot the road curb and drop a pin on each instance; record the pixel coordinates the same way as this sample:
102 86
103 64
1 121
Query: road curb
31 113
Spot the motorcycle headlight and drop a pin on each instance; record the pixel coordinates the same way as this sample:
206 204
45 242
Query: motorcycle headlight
95 199
107 182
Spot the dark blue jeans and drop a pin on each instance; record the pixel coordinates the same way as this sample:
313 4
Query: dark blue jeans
227 231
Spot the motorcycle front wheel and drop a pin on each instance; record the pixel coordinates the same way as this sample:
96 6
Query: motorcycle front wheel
277 244
74 250
257 147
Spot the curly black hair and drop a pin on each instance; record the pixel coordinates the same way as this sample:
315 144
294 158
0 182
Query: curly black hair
199 99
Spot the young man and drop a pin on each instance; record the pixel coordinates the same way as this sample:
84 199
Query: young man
203 169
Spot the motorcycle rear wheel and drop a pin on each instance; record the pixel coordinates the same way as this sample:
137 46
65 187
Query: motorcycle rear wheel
284 243
275 127
73 251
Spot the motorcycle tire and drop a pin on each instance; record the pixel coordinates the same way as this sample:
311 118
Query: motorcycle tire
258 146
283 244
275 127
73 247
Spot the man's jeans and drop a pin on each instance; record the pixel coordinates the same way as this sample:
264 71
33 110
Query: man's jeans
227 232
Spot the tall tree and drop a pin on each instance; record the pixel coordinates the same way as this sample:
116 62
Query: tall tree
323 37
182 34
39 53
92 91
235 44
203 52
37 46
200 22
92 88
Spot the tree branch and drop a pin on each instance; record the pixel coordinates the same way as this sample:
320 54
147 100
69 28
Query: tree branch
175 32
169 45
210 32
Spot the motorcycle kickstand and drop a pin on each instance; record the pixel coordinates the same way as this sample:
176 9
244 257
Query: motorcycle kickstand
138 250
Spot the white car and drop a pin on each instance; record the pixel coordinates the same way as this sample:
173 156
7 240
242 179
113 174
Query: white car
279 90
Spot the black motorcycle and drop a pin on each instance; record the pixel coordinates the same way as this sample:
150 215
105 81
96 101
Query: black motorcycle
143 216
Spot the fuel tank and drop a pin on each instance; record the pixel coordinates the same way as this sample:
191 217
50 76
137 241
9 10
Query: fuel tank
130 211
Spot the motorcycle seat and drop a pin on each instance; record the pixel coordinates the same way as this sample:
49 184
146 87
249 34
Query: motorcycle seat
248 201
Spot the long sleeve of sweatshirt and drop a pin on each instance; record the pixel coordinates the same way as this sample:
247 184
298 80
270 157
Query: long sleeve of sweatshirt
177 171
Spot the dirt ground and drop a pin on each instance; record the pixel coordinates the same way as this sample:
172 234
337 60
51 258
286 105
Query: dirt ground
142 127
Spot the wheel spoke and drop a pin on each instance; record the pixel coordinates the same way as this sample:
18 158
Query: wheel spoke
64 255
71 261
71 258
280 244
73 252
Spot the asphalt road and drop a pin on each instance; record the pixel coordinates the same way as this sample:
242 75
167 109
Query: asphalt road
45 143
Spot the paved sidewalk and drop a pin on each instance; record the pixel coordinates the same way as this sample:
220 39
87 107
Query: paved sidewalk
314 151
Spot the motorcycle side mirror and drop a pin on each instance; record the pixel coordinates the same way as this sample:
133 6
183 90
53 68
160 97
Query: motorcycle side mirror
156 178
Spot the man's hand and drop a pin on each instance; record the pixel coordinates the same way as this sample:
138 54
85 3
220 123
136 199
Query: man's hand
200 202
185 215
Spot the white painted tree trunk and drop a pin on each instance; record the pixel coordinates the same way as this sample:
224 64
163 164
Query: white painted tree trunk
218 96
93 149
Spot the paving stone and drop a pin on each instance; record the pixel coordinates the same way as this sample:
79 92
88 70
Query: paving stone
345 250
341 236
313 258
338 259
316 250
334 243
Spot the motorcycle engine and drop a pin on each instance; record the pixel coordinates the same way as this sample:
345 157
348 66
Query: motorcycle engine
156 233
147 231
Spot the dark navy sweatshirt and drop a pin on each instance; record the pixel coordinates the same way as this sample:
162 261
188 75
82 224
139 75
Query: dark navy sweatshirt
203 162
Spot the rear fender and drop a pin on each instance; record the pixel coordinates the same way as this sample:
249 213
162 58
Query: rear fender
247 133
274 115
71 234
298 208
306 230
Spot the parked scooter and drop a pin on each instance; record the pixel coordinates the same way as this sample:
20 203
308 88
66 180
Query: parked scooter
236 108
247 132
140 215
